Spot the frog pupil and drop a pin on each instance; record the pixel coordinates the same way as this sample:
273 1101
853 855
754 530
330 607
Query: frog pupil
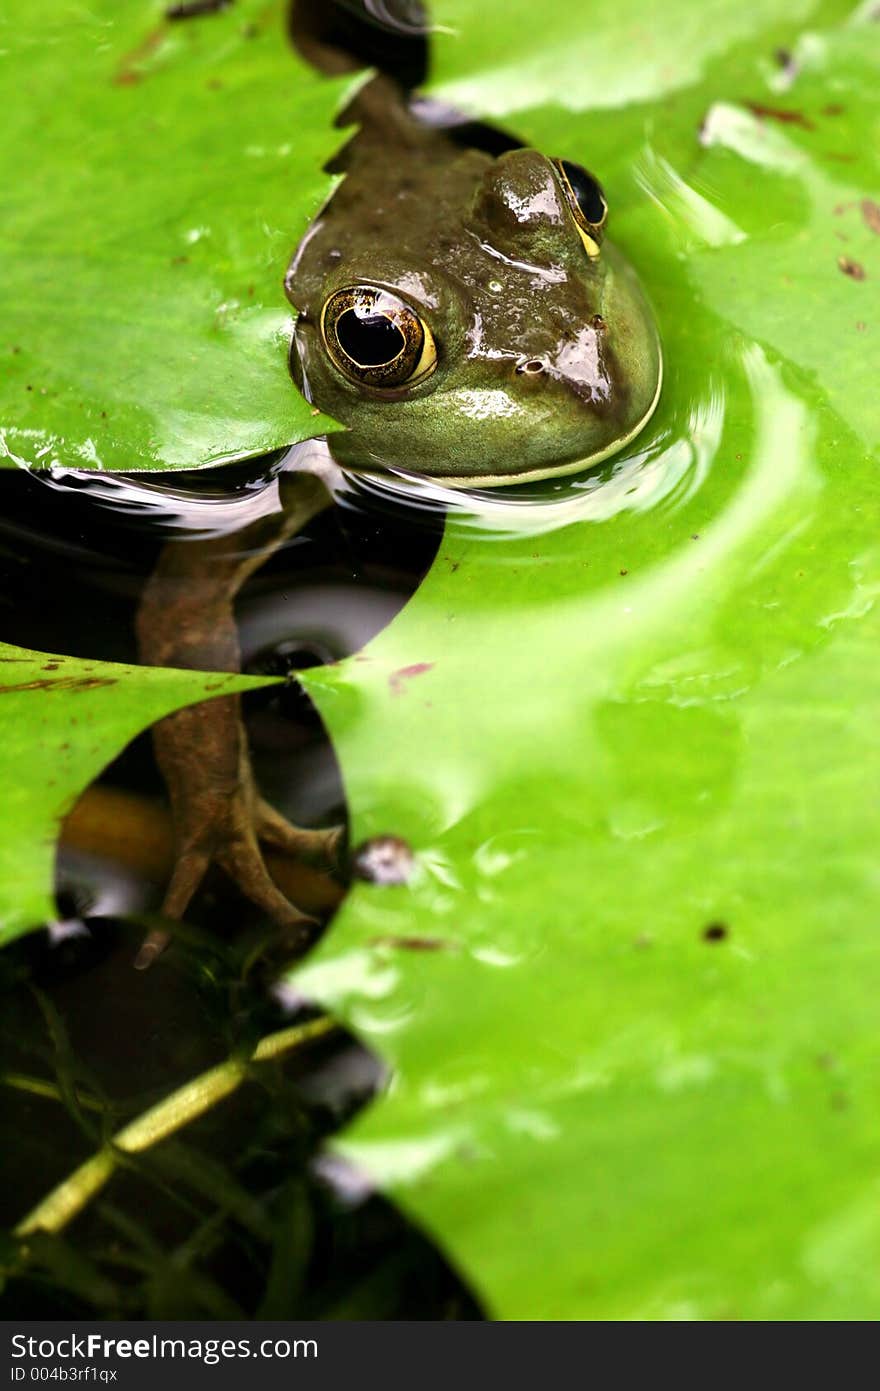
370 340
586 190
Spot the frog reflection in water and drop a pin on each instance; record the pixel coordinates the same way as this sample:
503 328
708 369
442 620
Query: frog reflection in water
465 318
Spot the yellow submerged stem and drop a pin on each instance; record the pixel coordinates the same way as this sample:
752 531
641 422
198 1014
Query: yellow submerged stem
191 1100
38 1086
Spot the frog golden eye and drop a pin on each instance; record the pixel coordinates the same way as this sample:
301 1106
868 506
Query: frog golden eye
374 337
586 201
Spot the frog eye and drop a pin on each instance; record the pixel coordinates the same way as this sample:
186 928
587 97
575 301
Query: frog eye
374 337
586 201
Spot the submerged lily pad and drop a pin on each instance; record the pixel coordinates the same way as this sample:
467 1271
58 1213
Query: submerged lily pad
155 177
629 996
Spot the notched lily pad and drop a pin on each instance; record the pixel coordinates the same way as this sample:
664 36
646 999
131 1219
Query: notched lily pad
154 180
64 719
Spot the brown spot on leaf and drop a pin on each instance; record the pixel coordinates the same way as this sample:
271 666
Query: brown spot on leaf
61 683
397 678
786 61
191 9
854 269
128 72
833 108
871 215
413 943
715 932
782 114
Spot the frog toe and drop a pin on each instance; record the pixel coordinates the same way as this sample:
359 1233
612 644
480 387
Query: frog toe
189 871
243 862
322 846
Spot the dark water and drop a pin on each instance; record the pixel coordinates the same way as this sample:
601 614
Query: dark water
238 1213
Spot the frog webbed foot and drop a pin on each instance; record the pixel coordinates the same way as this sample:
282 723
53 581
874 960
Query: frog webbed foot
321 847
237 849
221 820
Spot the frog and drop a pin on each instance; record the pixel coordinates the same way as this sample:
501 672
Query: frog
463 315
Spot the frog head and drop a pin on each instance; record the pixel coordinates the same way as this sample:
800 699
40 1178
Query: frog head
471 323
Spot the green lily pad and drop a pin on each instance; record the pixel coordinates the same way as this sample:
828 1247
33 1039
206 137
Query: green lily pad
65 719
155 178
630 729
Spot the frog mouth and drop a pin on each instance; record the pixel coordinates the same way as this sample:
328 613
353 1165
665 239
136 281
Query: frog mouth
559 470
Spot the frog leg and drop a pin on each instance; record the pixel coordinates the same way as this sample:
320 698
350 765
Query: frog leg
186 619
275 830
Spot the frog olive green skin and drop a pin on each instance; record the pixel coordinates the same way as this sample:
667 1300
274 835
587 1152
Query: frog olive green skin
547 356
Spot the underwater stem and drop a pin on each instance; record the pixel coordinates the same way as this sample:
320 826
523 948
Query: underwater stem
191 1100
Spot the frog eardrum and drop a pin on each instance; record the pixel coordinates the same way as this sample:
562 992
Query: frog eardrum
375 338
586 201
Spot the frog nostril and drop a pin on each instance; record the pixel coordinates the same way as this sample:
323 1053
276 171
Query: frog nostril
532 367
